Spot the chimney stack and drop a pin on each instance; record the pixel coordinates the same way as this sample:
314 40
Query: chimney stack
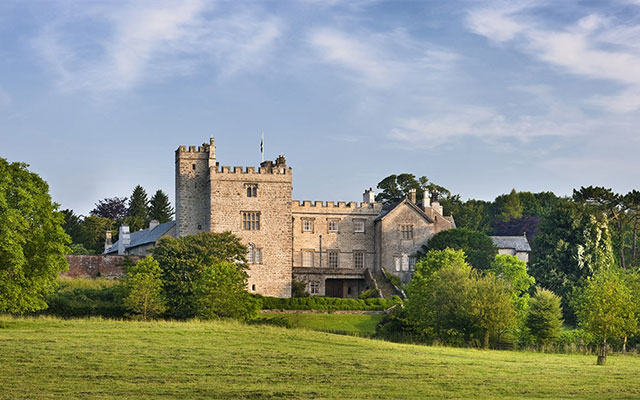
412 196
153 223
369 196
426 199
107 240
124 239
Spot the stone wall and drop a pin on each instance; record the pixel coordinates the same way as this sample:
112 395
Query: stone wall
93 266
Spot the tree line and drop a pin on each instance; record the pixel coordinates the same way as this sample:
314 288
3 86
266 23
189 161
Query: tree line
88 233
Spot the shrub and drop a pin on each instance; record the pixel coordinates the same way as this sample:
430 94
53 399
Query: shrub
275 321
144 285
327 303
298 289
370 294
86 298
544 319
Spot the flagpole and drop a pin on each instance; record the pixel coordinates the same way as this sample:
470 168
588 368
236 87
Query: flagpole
262 147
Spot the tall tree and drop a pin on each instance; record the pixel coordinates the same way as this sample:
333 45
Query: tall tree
32 241
114 208
508 206
395 187
491 306
160 208
544 318
605 307
514 271
73 227
144 285
472 214
138 211
94 229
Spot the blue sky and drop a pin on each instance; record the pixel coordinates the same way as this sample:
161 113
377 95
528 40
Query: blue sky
481 97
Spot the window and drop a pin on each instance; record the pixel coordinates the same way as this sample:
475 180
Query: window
332 255
252 189
358 259
307 225
250 220
250 254
254 254
333 225
307 258
314 287
412 262
253 288
193 166
396 262
405 262
407 231
358 225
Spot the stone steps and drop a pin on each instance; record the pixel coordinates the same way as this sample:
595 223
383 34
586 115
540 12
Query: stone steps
387 289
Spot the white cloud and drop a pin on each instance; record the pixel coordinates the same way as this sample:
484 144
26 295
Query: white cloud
593 46
623 102
152 40
381 60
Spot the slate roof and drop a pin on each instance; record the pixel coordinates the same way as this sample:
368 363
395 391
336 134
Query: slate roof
144 236
387 208
518 243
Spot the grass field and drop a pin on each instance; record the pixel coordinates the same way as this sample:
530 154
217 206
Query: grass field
65 359
355 323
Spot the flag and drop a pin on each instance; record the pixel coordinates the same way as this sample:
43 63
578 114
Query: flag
262 147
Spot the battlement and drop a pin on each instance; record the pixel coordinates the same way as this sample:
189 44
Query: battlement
332 205
283 170
207 150
193 149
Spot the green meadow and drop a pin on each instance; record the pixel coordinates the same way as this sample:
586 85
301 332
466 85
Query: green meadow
106 359
348 323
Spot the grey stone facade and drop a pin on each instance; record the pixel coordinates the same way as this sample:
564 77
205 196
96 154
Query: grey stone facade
329 246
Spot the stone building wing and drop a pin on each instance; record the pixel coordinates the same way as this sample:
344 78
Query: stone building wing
144 239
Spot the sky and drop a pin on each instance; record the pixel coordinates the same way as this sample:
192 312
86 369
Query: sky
479 96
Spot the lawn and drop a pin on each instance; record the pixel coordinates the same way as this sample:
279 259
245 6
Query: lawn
355 323
52 358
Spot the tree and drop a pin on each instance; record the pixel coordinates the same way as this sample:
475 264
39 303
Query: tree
544 318
182 261
160 208
220 293
396 187
478 247
529 224
94 229
507 206
144 285
114 208
138 210
73 227
514 271
605 308
438 301
32 241
472 214
491 306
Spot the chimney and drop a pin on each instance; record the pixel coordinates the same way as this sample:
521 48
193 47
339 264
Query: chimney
426 199
153 223
107 240
437 207
412 196
124 239
369 196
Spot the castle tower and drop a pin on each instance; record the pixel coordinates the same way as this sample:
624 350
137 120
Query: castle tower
193 166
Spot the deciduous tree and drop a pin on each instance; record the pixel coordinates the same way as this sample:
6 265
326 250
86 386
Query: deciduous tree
114 208
144 286
477 246
32 241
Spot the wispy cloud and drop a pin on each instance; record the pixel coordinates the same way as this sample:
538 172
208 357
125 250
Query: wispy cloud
381 59
593 46
143 41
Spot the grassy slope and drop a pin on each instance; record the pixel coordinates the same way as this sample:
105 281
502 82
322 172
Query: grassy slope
49 358
361 323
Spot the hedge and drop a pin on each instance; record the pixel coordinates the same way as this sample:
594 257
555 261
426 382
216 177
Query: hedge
327 303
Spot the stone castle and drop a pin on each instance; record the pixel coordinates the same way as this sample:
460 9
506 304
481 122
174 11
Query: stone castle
336 249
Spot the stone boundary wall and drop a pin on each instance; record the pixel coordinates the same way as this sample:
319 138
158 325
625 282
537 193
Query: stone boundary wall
92 266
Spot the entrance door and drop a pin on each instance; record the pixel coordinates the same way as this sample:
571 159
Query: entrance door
333 287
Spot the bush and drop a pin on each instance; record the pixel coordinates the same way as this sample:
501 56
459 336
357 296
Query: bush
274 321
298 289
327 303
370 294
86 298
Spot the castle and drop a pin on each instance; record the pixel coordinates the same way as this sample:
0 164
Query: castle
336 249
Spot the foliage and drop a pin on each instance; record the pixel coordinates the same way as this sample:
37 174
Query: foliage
491 306
94 228
327 303
145 296
183 260
280 321
220 293
396 187
369 294
544 318
78 298
605 307
507 206
529 224
73 227
343 323
138 209
77 248
114 208
160 208
299 289
472 214
32 241
477 246
514 272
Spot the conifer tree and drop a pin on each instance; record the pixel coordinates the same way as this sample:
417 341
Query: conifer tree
160 208
138 214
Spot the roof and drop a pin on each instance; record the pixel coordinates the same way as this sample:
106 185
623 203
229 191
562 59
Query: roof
388 208
518 243
144 236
